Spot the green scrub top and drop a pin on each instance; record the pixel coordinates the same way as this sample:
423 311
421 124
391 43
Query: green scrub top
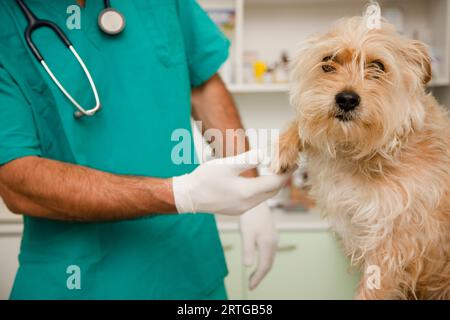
144 77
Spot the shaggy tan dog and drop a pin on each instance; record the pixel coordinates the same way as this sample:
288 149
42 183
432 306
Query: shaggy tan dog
378 150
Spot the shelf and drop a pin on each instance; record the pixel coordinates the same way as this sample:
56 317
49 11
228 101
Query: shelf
259 88
439 83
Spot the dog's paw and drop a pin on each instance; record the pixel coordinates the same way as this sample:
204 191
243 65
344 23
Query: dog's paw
286 151
285 160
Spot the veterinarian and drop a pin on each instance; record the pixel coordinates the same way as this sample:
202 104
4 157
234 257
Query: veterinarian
100 194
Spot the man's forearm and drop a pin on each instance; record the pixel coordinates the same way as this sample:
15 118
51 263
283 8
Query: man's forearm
56 190
213 104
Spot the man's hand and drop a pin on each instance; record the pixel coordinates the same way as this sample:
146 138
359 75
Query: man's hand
214 106
259 241
218 187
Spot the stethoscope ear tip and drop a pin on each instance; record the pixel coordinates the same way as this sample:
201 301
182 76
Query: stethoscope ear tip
78 114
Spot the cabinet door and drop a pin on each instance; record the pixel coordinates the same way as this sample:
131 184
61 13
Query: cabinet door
309 265
234 282
9 251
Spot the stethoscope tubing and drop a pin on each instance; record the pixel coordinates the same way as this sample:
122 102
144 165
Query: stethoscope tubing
33 24
81 111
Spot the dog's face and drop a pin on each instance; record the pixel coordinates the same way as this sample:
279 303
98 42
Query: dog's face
359 90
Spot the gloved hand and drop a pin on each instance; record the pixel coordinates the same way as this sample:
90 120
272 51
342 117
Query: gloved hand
217 187
258 235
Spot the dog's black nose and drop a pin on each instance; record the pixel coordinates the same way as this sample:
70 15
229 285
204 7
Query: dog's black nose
347 100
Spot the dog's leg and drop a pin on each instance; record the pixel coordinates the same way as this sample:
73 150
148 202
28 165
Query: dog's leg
289 147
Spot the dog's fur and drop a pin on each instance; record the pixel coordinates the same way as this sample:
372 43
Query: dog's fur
380 173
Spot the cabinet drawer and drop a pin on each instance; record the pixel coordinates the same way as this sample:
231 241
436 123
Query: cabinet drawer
9 250
309 265
234 282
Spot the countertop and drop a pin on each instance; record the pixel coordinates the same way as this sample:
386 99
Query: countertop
285 221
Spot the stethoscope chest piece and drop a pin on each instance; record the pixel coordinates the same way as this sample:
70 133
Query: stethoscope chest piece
111 21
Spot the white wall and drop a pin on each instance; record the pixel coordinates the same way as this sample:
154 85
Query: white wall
442 94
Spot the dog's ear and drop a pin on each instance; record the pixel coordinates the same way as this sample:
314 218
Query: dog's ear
418 55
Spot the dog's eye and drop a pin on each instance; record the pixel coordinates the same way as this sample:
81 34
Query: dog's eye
376 69
378 65
327 67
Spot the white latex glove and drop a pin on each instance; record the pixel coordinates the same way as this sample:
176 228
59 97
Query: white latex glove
216 186
259 241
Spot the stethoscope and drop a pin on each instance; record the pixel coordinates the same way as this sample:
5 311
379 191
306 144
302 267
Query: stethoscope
110 21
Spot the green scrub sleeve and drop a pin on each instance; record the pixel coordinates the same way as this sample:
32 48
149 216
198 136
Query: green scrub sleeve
18 137
206 46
